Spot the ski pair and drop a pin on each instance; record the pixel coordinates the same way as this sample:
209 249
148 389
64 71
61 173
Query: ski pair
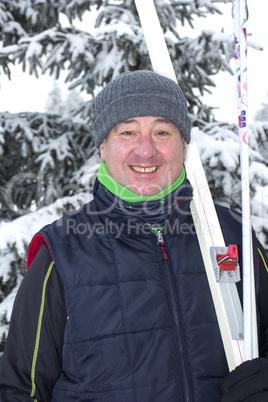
232 321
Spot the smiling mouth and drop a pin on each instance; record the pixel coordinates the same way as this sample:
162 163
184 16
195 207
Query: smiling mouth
143 169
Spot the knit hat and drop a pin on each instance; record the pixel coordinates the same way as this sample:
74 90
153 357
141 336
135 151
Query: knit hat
140 93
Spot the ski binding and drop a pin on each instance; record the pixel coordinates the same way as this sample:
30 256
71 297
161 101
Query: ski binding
225 263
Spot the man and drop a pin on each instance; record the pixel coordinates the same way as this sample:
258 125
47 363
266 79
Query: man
116 305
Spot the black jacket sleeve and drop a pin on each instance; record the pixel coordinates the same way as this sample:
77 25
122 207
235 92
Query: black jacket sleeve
263 300
249 381
32 359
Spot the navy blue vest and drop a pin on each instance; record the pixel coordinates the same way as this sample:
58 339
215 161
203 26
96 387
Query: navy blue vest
141 322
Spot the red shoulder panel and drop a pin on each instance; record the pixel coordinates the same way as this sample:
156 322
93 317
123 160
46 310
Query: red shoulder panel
34 247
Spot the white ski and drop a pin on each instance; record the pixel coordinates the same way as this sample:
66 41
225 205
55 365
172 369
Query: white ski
224 292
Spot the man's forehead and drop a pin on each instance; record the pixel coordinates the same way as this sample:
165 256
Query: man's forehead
137 119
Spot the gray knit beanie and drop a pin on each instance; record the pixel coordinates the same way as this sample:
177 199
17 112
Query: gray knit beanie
140 93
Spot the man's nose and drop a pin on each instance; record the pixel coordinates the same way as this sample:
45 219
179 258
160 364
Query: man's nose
146 147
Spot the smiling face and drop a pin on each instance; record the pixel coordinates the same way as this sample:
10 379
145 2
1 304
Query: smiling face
144 154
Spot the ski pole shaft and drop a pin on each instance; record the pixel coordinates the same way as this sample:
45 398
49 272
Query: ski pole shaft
249 303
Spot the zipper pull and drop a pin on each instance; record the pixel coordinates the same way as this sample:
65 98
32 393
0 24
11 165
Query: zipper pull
159 235
160 238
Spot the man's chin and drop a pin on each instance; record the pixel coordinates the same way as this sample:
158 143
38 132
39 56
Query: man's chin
145 190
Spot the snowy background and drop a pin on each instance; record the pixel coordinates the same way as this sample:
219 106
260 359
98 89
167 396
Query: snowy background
13 96
48 161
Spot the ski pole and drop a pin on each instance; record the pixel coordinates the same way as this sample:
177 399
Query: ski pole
240 14
225 296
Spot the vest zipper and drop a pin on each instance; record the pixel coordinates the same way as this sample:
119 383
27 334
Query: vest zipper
175 315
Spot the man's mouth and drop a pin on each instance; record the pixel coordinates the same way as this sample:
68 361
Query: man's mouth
144 169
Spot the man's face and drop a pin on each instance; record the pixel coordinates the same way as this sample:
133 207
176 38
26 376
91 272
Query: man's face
144 154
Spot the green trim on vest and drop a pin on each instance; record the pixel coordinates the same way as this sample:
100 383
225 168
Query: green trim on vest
126 195
39 328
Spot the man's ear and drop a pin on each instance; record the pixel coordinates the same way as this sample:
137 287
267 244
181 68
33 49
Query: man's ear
102 151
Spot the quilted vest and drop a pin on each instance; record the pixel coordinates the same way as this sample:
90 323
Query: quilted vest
141 322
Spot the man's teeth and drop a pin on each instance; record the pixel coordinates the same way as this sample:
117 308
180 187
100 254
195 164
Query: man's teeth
144 170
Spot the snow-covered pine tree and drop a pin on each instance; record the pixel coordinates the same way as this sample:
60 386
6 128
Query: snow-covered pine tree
62 104
262 113
55 102
48 162
261 118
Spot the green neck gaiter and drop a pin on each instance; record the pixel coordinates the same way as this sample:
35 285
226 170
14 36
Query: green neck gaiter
125 194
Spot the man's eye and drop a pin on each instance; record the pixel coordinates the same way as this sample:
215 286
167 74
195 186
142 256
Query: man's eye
127 133
162 133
